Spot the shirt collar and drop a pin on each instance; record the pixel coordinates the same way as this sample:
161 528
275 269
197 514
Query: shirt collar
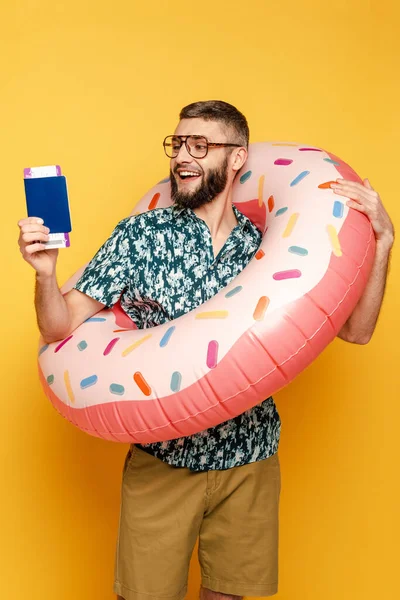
243 221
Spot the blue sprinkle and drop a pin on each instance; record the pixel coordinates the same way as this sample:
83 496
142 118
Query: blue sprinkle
115 388
164 180
167 336
333 162
82 345
299 178
43 349
298 250
235 291
245 176
176 381
85 383
50 379
95 320
338 209
281 211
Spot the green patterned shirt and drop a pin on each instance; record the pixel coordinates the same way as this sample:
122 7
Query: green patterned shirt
161 265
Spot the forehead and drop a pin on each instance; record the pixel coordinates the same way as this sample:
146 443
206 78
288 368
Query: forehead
212 130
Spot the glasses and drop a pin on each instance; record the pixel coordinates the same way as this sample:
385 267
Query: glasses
196 145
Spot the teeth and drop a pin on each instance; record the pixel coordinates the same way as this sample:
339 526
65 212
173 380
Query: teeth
188 173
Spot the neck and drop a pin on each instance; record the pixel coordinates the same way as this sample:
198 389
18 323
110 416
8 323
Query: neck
218 215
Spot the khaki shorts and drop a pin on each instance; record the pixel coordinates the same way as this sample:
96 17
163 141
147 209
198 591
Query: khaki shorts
164 509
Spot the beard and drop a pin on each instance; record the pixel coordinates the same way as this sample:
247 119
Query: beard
212 185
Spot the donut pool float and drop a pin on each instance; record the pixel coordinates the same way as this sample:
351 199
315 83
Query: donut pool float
124 384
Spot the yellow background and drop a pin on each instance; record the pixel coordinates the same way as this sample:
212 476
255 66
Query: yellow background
95 86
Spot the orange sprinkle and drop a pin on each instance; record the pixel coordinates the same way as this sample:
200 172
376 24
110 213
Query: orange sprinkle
260 190
326 186
271 203
154 201
142 383
261 307
260 254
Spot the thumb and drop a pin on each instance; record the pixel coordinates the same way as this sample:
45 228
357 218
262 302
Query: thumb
367 184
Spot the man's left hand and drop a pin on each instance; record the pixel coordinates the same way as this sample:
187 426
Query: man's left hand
365 199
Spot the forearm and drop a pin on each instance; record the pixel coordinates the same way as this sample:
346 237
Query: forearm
51 309
360 326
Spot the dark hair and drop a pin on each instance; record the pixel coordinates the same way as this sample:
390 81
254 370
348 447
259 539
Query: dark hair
217 110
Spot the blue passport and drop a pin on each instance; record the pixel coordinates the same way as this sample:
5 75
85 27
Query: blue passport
47 198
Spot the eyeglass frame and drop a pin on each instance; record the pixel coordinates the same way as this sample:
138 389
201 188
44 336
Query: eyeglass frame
184 141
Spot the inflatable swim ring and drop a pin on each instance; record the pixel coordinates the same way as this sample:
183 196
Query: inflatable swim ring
123 384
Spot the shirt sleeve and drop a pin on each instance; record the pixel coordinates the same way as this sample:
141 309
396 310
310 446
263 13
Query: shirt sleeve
108 273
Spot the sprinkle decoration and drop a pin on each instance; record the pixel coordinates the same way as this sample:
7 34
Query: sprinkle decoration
50 379
285 144
166 180
334 240
117 389
95 320
63 343
299 178
43 349
283 162
289 274
213 314
261 308
271 203
326 185
154 201
212 354
291 224
142 383
338 208
176 380
245 176
261 190
281 211
298 250
68 386
88 381
233 292
260 254
82 345
310 150
333 162
136 344
167 336
110 346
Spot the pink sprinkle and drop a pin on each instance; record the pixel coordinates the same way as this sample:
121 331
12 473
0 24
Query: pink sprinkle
283 162
310 150
110 346
63 343
212 354
291 274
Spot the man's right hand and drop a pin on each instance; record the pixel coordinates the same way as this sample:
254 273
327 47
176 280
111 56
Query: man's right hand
33 234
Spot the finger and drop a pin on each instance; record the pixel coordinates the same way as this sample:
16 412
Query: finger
36 236
368 185
33 248
356 206
34 228
354 185
30 220
353 195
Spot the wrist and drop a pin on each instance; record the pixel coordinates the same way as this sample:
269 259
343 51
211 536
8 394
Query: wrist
385 242
45 278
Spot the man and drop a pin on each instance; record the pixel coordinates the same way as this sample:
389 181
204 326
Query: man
221 485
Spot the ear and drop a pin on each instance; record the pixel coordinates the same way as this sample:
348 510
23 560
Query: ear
239 158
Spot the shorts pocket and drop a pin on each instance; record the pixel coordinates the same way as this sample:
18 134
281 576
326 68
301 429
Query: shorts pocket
129 459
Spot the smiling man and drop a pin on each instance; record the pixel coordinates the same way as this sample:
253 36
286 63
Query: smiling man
222 485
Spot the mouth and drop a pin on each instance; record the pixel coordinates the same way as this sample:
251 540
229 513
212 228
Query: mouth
187 175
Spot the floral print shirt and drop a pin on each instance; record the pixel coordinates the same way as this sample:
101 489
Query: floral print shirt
160 264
